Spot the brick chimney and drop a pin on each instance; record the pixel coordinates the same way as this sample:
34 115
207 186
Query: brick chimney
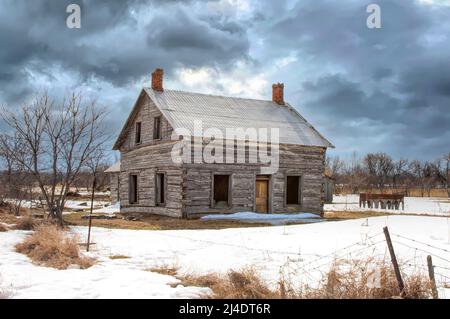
157 80
277 93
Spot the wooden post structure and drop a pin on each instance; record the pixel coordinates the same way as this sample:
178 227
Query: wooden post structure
90 213
398 275
431 275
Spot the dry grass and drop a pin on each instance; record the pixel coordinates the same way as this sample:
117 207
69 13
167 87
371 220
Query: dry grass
118 257
6 217
164 270
26 223
243 284
154 222
366 279
3 228
52 247
345 280
336 215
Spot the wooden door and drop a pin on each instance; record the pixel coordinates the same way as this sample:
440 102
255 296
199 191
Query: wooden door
262 196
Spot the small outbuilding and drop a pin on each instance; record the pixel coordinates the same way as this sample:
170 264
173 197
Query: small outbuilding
114 181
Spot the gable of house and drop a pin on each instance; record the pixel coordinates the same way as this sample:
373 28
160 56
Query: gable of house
144 112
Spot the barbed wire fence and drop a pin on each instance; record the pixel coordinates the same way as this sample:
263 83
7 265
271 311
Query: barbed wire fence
312 267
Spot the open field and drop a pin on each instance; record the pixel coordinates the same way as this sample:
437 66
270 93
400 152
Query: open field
132 256
301 252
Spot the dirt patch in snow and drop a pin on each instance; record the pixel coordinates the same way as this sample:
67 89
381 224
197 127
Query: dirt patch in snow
153 222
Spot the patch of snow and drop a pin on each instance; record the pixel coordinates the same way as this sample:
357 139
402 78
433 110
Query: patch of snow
413 205
86 193
83 204
111 209
274 219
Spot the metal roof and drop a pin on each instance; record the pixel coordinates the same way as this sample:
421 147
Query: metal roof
113 168
182 108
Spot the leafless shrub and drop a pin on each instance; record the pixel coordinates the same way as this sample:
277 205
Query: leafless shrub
3 228
243 284
52 247
26 223
366 279
165 270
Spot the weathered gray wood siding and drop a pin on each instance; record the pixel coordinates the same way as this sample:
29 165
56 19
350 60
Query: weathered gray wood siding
114 182
147 112
146 160
308 162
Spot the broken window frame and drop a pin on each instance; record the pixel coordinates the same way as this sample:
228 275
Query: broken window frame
230 190
157 128
133 188
138 133
158 177
300 190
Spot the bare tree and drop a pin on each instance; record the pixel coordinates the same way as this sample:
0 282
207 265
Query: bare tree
429 176
442 171
14 179
58 140
424 175
379 167
399 169
334 165
353 174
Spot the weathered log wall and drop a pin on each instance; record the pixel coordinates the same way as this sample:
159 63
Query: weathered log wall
146 162
308 162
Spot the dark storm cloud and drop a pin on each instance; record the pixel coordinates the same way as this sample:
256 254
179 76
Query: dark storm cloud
389 86
198 42
111 45
368 90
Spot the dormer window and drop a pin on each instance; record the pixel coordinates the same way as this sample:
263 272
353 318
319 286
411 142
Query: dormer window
157 128
138 131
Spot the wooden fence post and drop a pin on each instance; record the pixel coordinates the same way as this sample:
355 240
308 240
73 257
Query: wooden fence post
431 275
398 275
90 213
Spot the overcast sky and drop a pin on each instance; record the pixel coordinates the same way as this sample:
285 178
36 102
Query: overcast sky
366 90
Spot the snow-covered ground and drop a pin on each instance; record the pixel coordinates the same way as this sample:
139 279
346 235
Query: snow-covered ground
72 204
413 205
19 278
302 251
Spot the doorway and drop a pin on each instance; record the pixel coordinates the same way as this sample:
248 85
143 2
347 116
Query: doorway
262 194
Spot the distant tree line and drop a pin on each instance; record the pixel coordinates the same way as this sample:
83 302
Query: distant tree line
380 172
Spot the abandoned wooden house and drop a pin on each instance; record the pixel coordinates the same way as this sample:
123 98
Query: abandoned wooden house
148 180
